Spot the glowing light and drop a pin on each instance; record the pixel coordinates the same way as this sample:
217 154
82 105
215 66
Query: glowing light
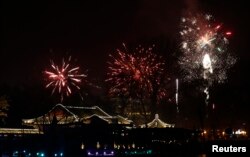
240 132
133 145
206 61
176 95
98 145
82 146
207 64
100 153
228 33
218 27
63 78
115 146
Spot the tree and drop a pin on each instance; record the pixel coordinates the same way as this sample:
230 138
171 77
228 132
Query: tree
4 107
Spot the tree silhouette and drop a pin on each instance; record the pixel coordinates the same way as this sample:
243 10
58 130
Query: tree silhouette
4 107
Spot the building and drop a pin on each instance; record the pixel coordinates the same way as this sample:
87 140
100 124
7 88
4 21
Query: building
158 123
71 115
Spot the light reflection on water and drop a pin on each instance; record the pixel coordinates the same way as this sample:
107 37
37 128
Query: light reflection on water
87 154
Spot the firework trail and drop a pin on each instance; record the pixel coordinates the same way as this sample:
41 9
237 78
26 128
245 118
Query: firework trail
204 46
63 78
135 74
176 95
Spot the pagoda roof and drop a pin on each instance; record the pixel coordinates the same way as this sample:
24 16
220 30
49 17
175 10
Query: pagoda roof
158 123
87 111
70 114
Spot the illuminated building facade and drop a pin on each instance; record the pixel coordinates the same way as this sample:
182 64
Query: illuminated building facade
71 115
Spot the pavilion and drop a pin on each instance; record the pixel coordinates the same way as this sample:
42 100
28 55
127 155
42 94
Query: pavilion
70 115
157 123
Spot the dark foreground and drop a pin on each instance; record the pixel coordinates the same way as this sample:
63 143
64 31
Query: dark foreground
120 142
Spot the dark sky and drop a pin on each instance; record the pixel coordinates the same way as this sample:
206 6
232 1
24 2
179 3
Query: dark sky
33 32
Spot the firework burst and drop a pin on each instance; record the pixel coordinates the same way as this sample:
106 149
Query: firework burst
204 45
136 74
63 78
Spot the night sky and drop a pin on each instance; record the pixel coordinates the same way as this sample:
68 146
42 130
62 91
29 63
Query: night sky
33 32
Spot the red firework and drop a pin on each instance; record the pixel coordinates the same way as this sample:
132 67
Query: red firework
135 74
63 78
